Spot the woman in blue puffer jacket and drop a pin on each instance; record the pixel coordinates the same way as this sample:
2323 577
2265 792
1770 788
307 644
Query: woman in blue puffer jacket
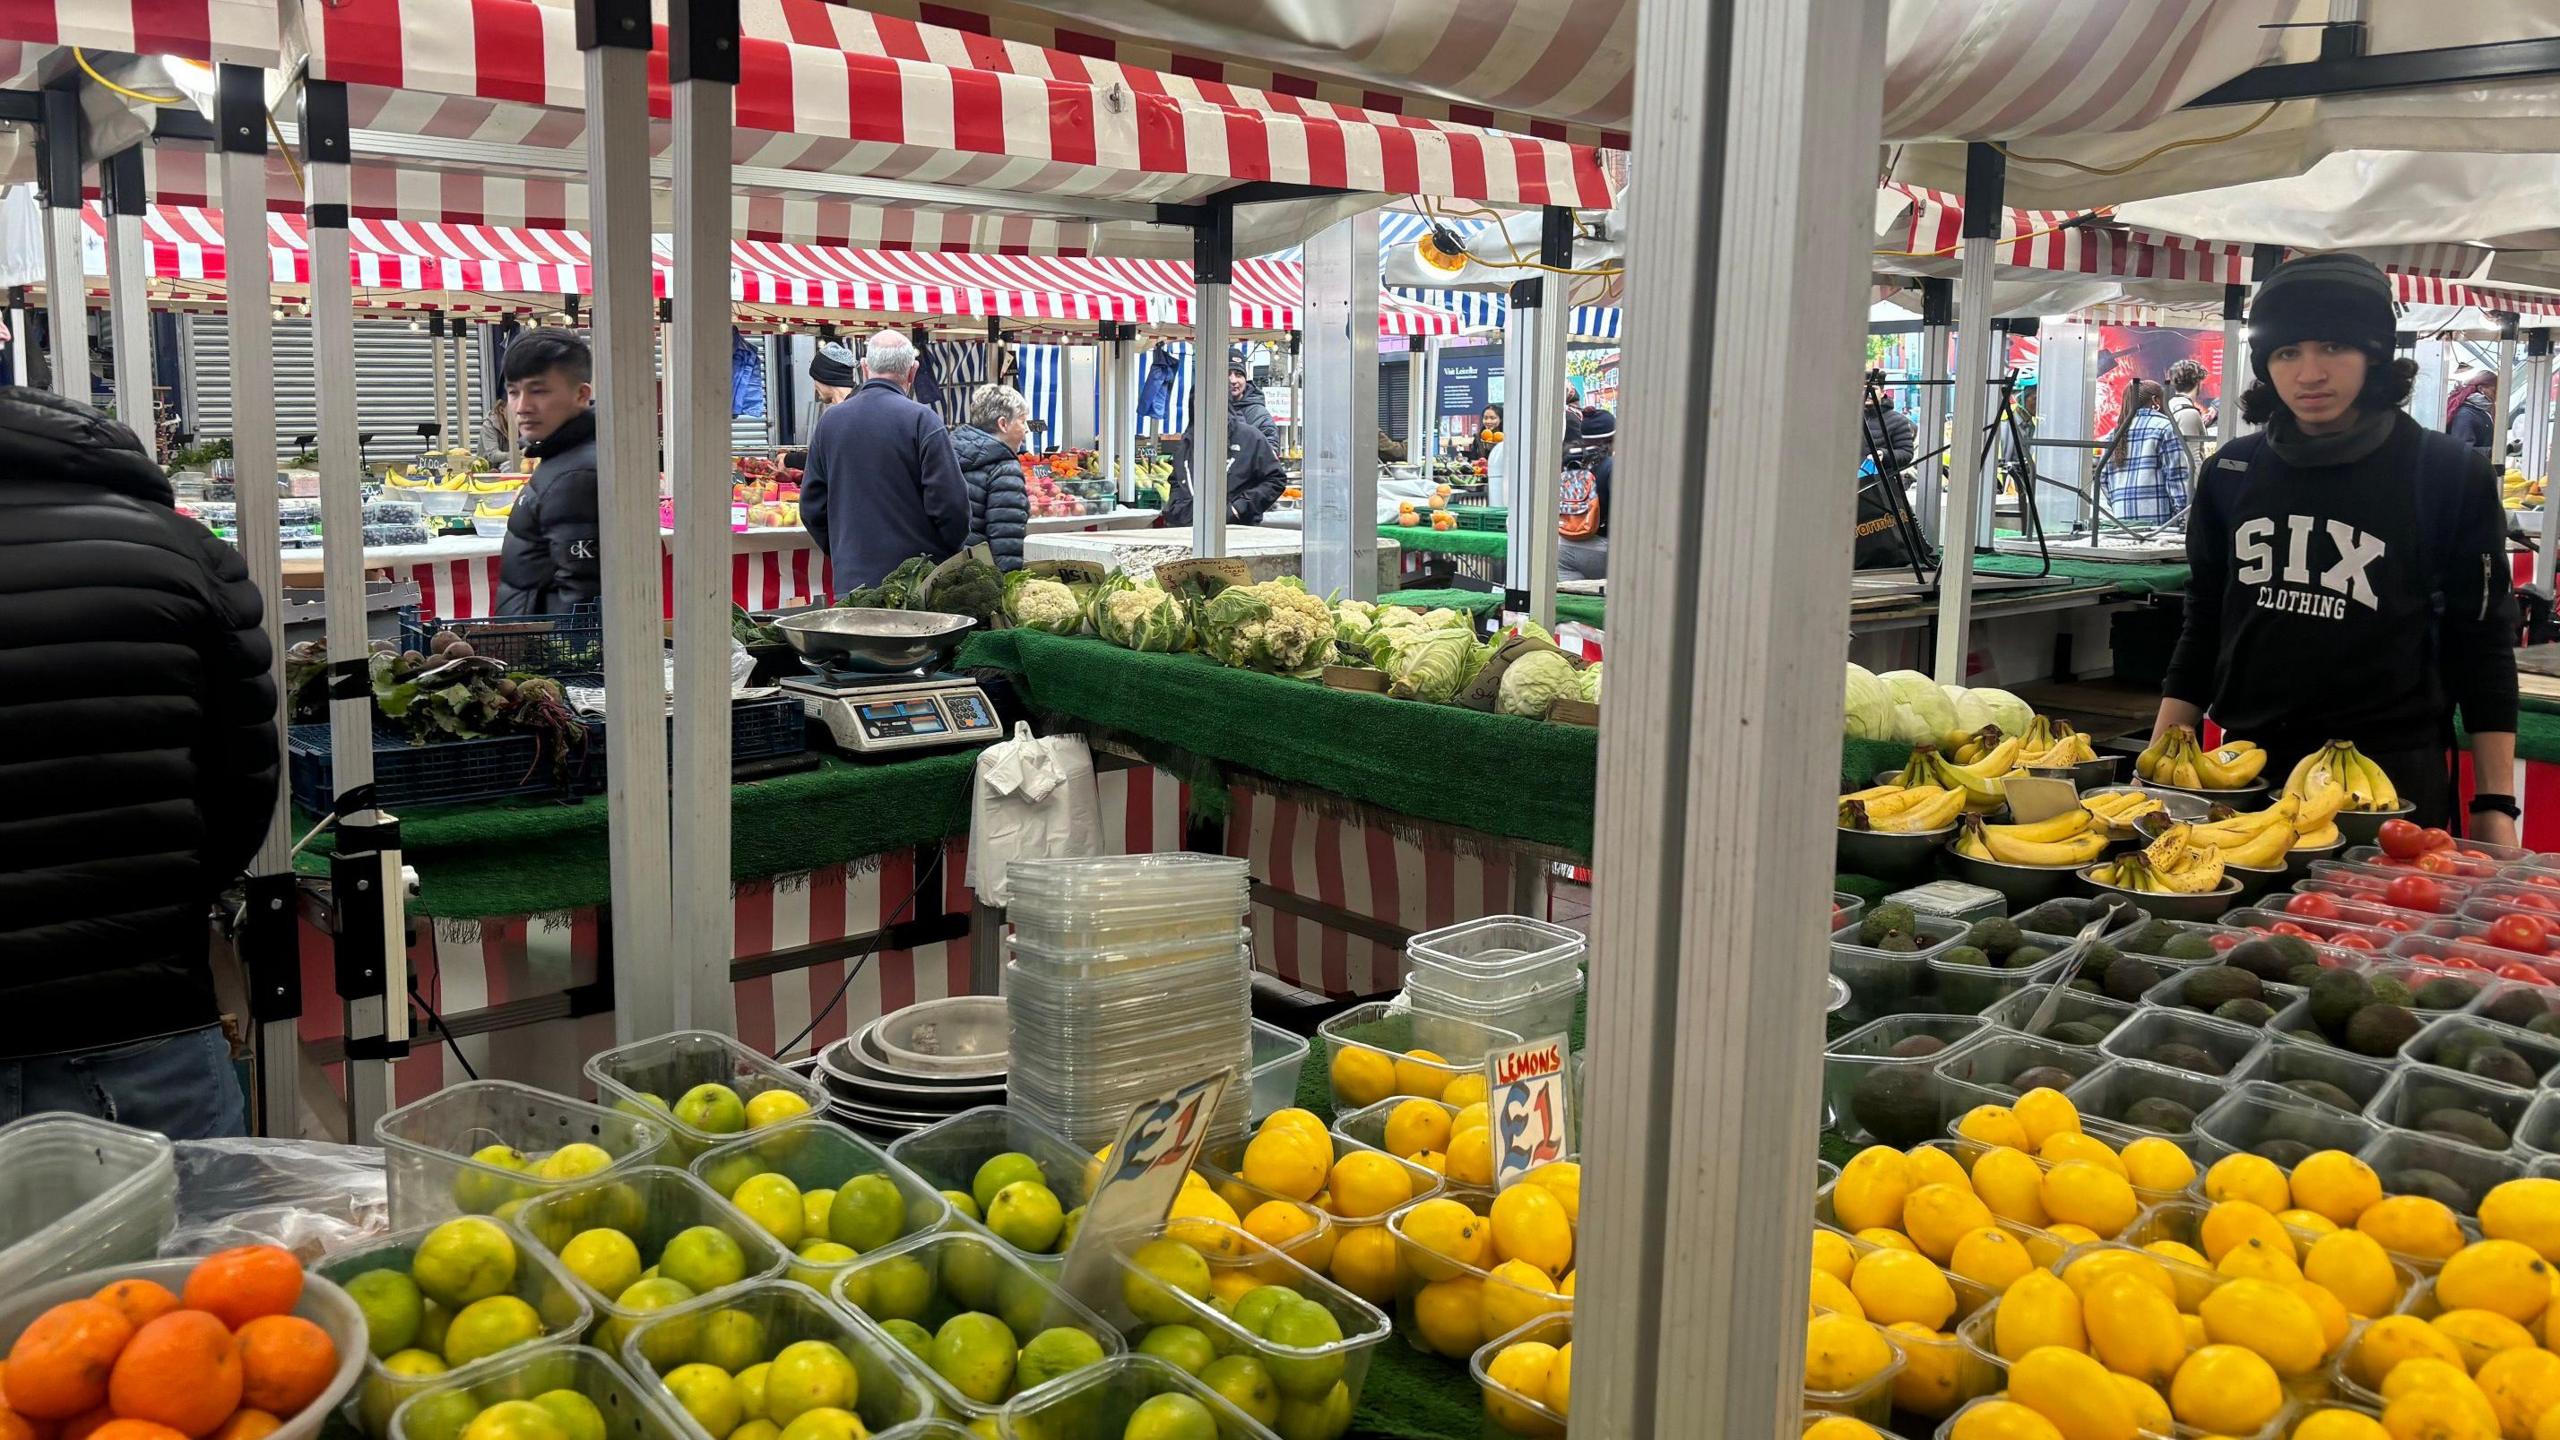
988 448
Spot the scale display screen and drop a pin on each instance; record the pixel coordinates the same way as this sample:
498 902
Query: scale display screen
900 717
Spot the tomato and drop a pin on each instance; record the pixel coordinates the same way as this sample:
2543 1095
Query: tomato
2436 862
2401 840
2223 942
2314 904
2396 927
2369 884
2519 932
2547 882
2433 838
2518 970
2287 927
2460 962
2351 941
2482 856
2421 957
2415 892
2535 902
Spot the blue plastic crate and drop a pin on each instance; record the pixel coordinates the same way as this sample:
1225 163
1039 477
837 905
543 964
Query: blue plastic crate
758 729
446 773
556 645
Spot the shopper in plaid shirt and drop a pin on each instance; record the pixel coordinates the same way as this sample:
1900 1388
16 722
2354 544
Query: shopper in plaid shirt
2144 475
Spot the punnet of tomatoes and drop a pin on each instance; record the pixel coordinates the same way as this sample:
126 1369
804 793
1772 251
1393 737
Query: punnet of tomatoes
2338 939
2327 901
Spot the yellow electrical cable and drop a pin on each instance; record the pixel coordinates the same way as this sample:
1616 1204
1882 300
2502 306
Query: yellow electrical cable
2146 157
285 150
81 58
2103 210
1428 211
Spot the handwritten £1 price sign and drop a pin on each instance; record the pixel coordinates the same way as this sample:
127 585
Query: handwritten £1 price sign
1155 1148
1526 1101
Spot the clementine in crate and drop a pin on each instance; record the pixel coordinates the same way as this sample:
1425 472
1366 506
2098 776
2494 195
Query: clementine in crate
60 1364
81 1427
285 1362
247 1425
239 1285
135 1430
142 1301
181 1370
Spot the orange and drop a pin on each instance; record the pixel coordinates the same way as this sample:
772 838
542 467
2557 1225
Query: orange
182 1370
81 1427
285 1362
238 1285
134 1430
142 1301
247 1425
59 1366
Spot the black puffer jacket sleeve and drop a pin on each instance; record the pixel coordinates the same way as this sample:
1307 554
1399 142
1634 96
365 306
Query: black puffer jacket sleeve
238 763
999 500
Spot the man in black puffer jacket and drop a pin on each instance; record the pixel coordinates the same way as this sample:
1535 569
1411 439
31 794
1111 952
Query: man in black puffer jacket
552 561
138 760
988 448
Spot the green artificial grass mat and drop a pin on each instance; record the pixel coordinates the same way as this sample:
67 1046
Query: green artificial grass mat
1588 610
2130 578
1488 544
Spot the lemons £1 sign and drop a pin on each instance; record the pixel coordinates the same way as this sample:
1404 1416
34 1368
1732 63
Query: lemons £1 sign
1527 1105
1155 1148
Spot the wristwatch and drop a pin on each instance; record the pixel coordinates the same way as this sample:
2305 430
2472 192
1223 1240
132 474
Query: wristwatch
2501 804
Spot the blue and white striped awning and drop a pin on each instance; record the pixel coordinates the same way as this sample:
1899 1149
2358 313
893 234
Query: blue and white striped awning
1479 309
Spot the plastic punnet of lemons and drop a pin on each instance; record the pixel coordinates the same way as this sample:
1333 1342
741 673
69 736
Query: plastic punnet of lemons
1485 1273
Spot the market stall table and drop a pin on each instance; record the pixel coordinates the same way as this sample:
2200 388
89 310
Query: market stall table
1268 552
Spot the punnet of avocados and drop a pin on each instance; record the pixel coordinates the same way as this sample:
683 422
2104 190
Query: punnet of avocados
1898 1105
1890 918
2380 1030
2465 1126
2456 1047
2188 946
2159 1112
2127 978
2101 955
2059 917
2285 1153
2258 958
1911 1047
2247 1012
2326 1093
2087 986
2150 936
2210 987
2304 975
2181 1056
2047 1077
1964 955
2547 1023
2076 1032
2392 990
1995 936
2516 1007
2335 998
2026 957
2295 949
2434 1184
1898 943
2497 1062
2446 993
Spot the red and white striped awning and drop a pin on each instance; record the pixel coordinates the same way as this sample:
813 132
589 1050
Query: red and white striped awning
891 282
185 243
2437 290
1931 228
239 32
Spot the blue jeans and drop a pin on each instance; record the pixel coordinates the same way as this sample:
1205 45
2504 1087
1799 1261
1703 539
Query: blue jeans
182 1085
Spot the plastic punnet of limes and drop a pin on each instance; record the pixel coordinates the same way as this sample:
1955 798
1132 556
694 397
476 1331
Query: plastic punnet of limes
649 1240
446 1298
774 1359
978 1319
822 1193
546 1393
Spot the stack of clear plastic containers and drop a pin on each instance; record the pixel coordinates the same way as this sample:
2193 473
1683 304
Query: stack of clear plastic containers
1126 976
1503 972
80 1194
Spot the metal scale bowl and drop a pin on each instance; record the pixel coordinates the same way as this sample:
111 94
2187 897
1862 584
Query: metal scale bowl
876 680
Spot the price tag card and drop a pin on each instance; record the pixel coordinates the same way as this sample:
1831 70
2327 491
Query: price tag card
1157 1146
1212 574
1531 1113
1087 571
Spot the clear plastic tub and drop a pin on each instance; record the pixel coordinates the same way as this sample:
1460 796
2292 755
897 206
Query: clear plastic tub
428 1147
78 1194
2330 933
1493 961
1983 1073
1447 1025
1508 1413
2284 1065
1377 1028
2279 1425
2416 972
2539 1135
1314 1369
632 1411
2439 947
1126 899
754 1325
1278 1057
820 1155
539 1282
1130 963
2519 1003
2474 1173
2254 1115
946 1155
2466 1033
2105 1096
2015 1011
2142 1038
1367 1126
667 1066
1478 1287
1872 1401
2171 994
652 1205
1881 981
1972 989
1852 1058
1100 1399
930 1278
2149 938
2420 1093
1846 909
1968 1373
2367 885
2491 862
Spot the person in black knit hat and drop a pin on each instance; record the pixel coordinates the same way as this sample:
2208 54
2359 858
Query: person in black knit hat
2351 577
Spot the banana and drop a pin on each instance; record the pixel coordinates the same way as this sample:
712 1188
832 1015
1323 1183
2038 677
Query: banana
2058 827
2373 788
2319 839
1981 795
2230 767
1969 845
2079 849
2129 872
2266 852
2300 780
2321 804
2183 868
1937 812
1873 794
1956 742
2147 764
2002 758
2183 774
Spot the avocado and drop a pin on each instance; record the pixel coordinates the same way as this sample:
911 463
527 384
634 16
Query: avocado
2246 1012
2326 1093
2188 946
1994 936
1964 955
2392 990
2026 957
2100 956
2048 1077
2211 987
2087 986
2181 1056
1896 1104
2455 1048
2446 993
1890 918
1912 1047
2156 1112
2127 978
2517 1007
2258 958
2379 1030
2466 1127
2434 1184
2151 935
1898 943
2285 1153
2498 1063
2335 998
2302 976
2546 1023
2295 949
2076 1032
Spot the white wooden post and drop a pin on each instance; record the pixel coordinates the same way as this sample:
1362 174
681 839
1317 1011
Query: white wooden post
2228 425
129 293
1533 425
1338 316
2502 392
1729 618
2435 381
702 69
1107 373
1212 266
1937 327
2066 400
1422 376
615 37
2537 403
1969 500
66 287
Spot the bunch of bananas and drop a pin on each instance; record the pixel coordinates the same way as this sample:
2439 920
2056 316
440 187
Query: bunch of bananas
2171 865
2365 786
2067 841
2120 808
1979 781
2519 492
1970 747
1896 810
2175 759
2051 744
2260 839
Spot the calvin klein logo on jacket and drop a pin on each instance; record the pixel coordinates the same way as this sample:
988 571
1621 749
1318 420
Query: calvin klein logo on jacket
2349 551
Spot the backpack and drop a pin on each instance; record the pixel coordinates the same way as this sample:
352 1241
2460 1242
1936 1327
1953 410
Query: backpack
1577 505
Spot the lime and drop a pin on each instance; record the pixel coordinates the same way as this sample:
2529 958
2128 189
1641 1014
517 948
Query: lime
578 1416
434 1323
757 1430
703 1257
478 1192
974 1353
898 1288
435 1417
1157 1269
605 1259
712 1109
964 1203
380 1398
573 1162
1170 1416
707 1394
751 1390
1255 1310
513 1420
1322 1419
731 1339
393 1310
868 1212
775 1106
826 1424
729 1172
1068 1231
1303 1326
1185 1346
1053 1353
773 1202
809 1375
1026 1302
1026 1216
464 1260
817 1258
917 1339
814 1207
999 1171
1243 1383
485 1327
971 1271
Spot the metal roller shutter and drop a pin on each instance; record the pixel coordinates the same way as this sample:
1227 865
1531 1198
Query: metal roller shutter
395 384
1395 389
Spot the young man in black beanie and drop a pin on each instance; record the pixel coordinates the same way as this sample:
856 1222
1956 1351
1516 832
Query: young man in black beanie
2350 565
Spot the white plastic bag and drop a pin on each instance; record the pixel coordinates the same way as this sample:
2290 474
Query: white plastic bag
1034 800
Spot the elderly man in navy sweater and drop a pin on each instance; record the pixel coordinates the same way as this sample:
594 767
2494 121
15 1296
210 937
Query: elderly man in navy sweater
883 485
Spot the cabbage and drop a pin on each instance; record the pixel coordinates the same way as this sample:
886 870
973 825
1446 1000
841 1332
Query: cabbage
1533 630
1866 710
1426 664
1536 680
1986 706
1921 711
1591 682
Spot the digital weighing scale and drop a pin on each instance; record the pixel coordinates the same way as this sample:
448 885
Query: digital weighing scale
868 714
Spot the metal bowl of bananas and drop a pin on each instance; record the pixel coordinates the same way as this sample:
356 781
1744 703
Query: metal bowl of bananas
2029 863
1893 831
2178 875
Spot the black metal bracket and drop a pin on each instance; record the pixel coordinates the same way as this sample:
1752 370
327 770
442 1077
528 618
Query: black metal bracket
270 949
1986 181
2509 326
239 109
2404 340
120 177
702 41
58 150
1267 192
21 107
2537 342
614 25
176 125
2357 74
666 310
324 123
1937 303
2235 302
1213 246
435 323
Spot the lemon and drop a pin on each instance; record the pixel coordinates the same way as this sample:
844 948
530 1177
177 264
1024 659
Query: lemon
2269 1319
2150 1410
1832 1253
2479 1334
1423 1073
1292 1229
2525 1210
2235 1222
2253 1178
1450 1236
1450 1315
2011 1183
2072 1145
2505 1277
1839 1427
1523 1369
1435 1161
2413 1225
2340 1425
2334 1185
2079 1193
1470 1157
1530 1224
1284 1161
1991 1258
1367 1184
1886 1238
2225 1389
1935 1164
2424 1417
1560 1381
2394 1340
2069 1235
2335 1322
2152 1163
1892 1287
1361 1077
1937 1216
2184 1254
2133 1328
2256 1259
2038 1310
2001 1420
1994 1125
2073 1391
1366 1264
1827 1293
1842 1352
1871 1188
2427 1373
2045 1113
1563 1180
2191 1330
2352 1266
2522 1386
1464 1090
2083 1274
1516 1293
1469 1117
1932 1364
1416 1126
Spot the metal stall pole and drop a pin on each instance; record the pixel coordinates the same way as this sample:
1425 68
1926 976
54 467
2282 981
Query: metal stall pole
1213 255
1969 503
614 35
2235 357
2239 370
1754 222
1132 377
270 929
1533 428
364 871
702 69
129 293
1106 379
2537 403
21 335
2502 390
1338 317
436 349
1424 444
1937 324
66 289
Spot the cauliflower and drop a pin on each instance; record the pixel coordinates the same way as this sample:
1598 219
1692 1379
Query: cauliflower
1275 625
1140 617
1535 680
1038 603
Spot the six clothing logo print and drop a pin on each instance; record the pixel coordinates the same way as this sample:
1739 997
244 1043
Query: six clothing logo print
2253 544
